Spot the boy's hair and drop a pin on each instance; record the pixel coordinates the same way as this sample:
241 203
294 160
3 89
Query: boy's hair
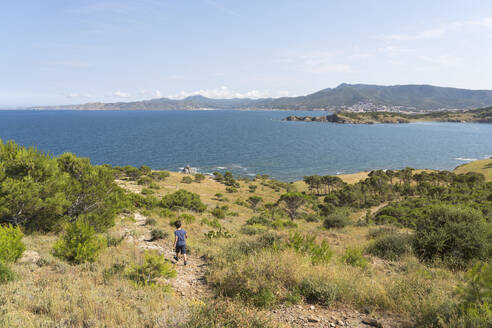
177 224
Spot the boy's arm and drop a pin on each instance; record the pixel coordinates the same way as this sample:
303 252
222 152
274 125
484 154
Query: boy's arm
175 240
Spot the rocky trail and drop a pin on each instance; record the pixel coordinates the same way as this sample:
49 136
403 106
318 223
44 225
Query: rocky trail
190 280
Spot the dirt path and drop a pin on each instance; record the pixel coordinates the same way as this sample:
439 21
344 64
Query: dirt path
190 281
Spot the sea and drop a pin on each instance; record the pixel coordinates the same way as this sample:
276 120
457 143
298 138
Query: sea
245 143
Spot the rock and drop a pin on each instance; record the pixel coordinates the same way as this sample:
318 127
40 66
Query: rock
30 257
372 322
332 324
312 307
312 319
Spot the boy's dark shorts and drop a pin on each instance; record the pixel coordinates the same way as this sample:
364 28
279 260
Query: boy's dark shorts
181 249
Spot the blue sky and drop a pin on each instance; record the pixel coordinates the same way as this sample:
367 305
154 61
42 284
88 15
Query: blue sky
77 51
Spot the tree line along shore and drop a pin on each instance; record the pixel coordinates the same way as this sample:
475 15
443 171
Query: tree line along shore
393 248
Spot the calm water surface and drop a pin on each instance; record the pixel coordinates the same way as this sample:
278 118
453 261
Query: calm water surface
245 142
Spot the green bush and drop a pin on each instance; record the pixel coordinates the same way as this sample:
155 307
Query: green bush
354 257
199 177
159 175
254 229
147 191
79 244
306 244
231 190
145 180
214 223
112 241
319 290
157 234
336 220
150 221
154 266
187 180
473 309
391 246
167 213
252 188
11 245
155 186
454 235
187 218
183 199
380 231
6 274
219 212
220 233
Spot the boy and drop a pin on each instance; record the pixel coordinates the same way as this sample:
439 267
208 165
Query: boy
180 241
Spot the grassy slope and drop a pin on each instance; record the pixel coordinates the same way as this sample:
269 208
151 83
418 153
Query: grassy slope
58 292
483 166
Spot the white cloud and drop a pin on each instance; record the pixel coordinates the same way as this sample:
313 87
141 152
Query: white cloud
440 31
151 93
222 92
121 94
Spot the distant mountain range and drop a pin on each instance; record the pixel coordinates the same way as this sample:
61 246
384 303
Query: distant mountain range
345 96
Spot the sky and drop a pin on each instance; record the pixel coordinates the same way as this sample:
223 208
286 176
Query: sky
77 51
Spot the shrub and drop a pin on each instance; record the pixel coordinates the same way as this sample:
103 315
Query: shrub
220 233
155 186
258 220
214 223
79 244
219 212
254 202
154 266
354 257
186 218
306 244
115 269
145 180
147 191
260 277
281 224
159 175
452 234
311 218
187 180
380 231
11 245
254 229
220 313
317 289
391 246
231 190
199 177
167 213
183 199
6 274
157 234
150 221
112 241
336 220
252 188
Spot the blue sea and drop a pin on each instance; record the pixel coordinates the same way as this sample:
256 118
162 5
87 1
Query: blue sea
245 142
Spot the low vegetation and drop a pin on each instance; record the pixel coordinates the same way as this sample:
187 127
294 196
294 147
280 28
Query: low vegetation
418 242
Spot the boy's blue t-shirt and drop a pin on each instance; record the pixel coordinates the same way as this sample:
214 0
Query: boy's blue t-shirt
181 237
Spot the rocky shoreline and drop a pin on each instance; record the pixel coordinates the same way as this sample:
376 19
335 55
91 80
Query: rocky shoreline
340 119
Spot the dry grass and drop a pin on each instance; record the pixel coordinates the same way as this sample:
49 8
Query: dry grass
483 166
57 294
